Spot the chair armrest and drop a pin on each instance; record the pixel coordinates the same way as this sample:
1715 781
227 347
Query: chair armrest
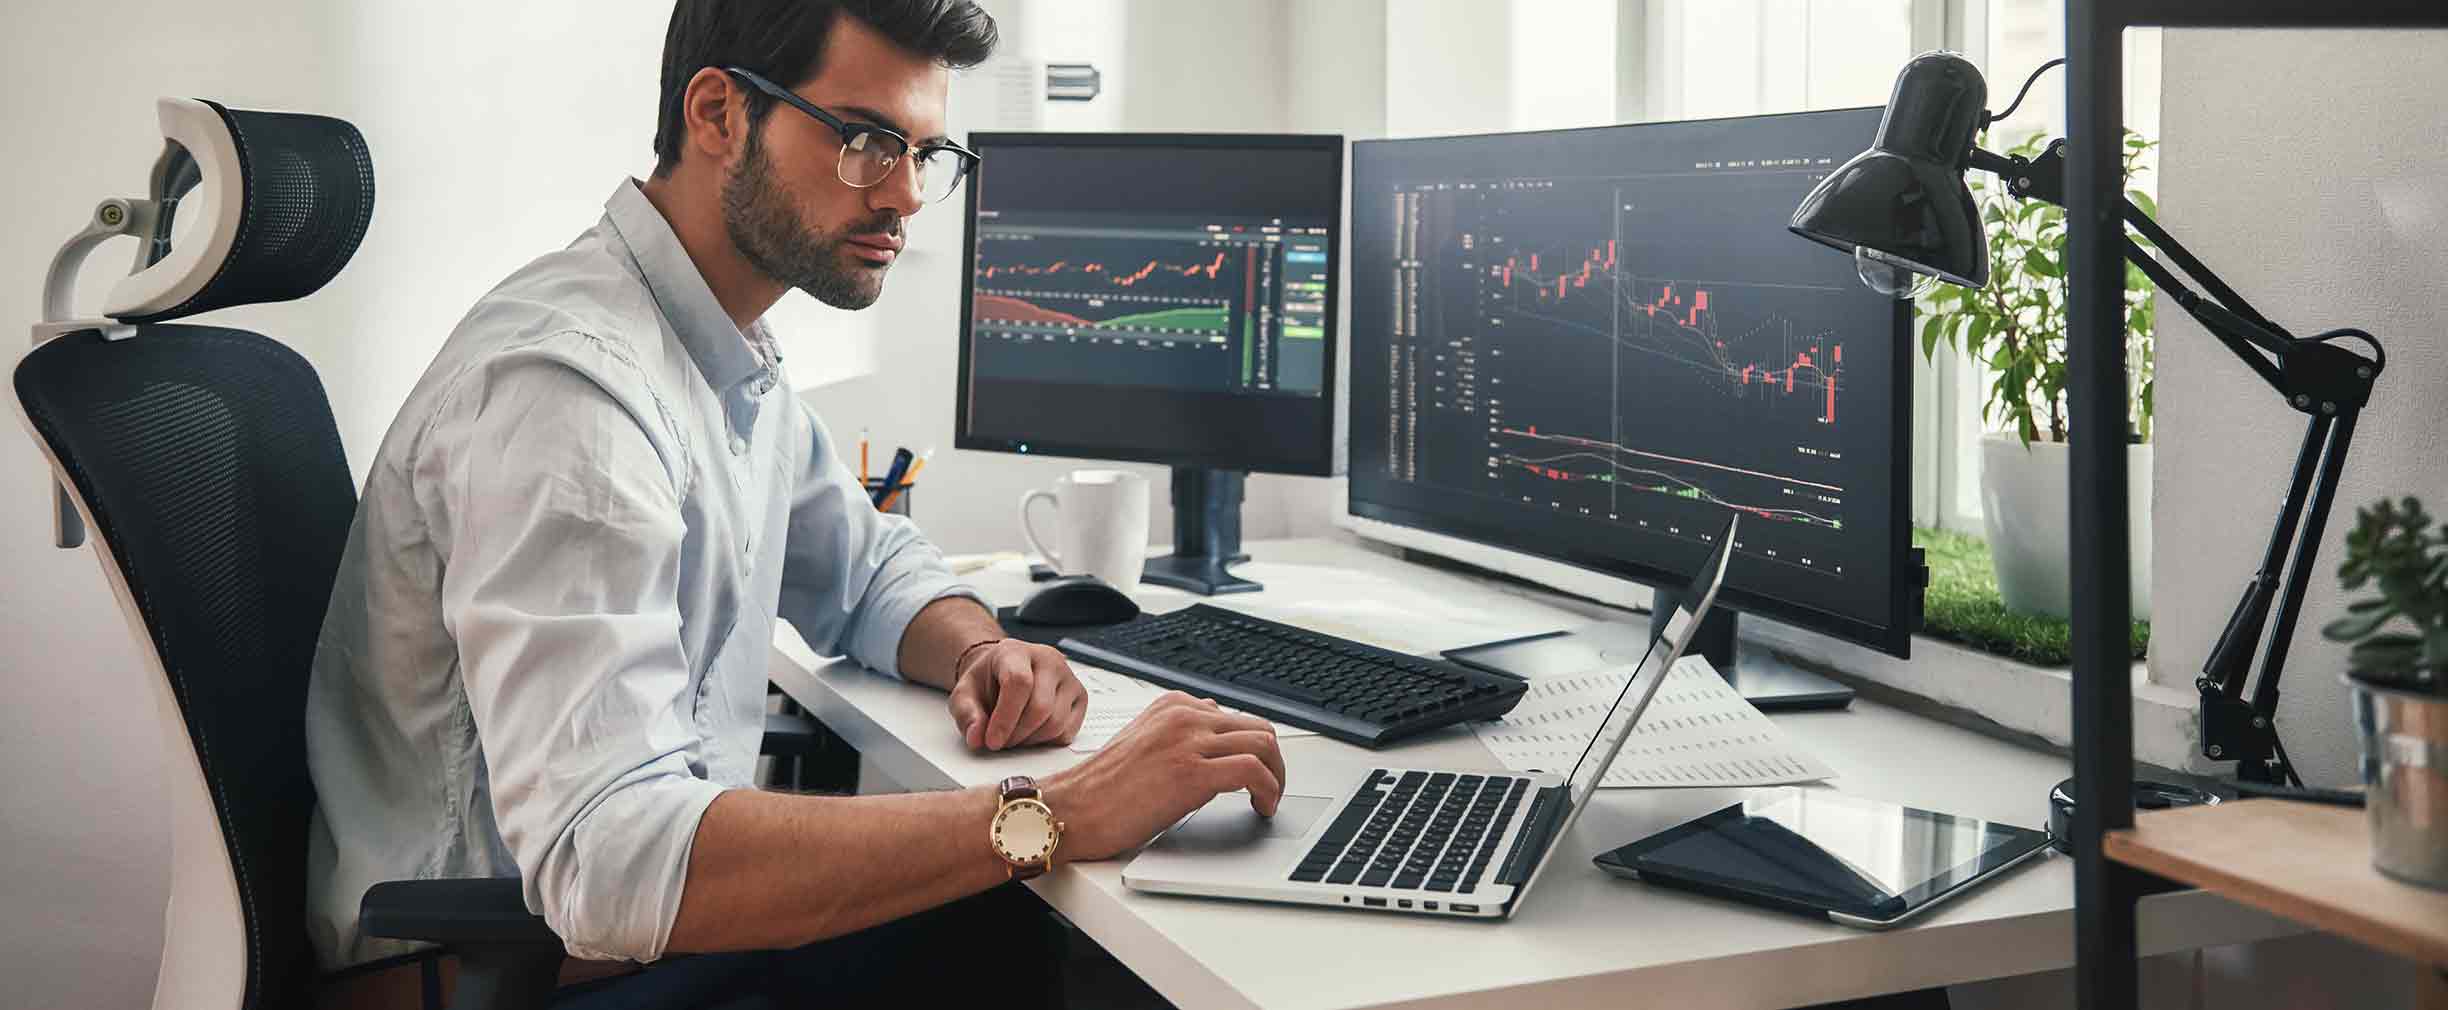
792 734
458 912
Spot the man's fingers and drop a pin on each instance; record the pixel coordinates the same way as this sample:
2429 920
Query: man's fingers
1222 721
1045 702
1012 694
1054 684
1058 685
1077 714
969 715
1067 698
1258 743
1246 771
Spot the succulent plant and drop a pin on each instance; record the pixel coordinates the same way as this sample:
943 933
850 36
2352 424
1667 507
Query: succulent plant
2399 635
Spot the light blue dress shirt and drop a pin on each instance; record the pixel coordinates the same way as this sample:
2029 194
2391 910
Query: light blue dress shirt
546 650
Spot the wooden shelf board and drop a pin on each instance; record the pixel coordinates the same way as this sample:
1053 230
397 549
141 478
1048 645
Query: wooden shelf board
2305 861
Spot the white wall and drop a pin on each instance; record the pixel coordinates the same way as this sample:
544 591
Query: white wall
2323 203
1446 66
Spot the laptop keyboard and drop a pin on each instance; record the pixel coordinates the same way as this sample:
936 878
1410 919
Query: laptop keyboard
1421 831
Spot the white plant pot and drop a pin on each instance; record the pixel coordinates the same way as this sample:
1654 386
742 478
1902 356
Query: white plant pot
2023 507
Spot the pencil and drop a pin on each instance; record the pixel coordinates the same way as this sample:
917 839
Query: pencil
862 457
912 477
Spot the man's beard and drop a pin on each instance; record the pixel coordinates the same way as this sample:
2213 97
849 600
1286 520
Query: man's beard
765 226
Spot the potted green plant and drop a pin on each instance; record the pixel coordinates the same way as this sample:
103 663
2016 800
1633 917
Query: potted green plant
2398 665
2016 328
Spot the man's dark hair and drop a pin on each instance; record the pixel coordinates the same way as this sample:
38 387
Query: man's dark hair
784 40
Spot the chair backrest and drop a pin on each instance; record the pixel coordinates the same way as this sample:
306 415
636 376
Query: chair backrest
208 461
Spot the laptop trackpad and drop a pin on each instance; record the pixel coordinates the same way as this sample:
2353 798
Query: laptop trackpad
1227 823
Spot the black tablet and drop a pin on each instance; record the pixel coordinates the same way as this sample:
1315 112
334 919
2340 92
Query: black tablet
1855 861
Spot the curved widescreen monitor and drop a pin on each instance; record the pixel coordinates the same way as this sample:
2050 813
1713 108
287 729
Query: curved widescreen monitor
1166 298
1589 344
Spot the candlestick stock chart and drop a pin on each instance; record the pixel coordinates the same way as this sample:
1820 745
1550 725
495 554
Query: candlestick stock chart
1621 352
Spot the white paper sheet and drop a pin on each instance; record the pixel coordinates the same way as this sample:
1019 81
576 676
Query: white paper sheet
1114 700
1698 731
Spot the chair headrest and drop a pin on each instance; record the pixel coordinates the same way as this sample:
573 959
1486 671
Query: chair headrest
290 196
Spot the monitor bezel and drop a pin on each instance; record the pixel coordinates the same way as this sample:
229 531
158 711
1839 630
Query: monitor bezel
1322 461
1904 588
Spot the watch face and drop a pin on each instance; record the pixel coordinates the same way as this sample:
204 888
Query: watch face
1024 831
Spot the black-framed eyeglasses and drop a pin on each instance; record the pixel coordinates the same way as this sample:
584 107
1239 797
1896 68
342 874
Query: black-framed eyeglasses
870 152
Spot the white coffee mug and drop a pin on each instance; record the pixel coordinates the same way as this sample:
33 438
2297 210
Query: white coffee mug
1101 525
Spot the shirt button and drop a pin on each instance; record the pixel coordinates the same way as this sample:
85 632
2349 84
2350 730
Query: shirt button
739 446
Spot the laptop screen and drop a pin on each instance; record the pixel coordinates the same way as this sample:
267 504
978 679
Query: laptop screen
1663 652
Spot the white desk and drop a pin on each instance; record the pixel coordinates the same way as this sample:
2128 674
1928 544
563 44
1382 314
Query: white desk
1584 939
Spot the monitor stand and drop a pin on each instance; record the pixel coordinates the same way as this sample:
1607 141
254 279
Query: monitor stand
1206 534
1766 681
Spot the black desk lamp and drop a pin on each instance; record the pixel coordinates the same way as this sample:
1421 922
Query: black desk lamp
1903 210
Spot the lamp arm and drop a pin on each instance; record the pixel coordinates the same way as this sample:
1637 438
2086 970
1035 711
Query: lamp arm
2225 313
2194 268
2241 335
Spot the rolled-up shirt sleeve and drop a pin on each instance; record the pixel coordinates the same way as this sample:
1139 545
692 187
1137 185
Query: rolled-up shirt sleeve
561 591
853 577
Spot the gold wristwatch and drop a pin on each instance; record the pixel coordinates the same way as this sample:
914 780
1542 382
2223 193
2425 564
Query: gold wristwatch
1024 832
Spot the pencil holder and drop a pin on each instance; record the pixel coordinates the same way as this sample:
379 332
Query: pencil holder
901 502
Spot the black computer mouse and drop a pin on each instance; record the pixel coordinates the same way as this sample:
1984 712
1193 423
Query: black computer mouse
1077 601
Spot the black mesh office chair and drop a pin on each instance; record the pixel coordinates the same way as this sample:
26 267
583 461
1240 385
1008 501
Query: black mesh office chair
207 460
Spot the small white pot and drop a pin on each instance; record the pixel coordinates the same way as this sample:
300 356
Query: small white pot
2023 508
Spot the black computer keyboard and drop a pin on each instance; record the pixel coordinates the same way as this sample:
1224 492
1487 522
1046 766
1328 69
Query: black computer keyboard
1424 831
1340 688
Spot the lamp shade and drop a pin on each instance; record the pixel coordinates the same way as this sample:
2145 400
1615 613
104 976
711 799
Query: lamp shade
1903 202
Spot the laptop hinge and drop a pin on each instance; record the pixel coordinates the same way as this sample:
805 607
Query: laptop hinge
1546 811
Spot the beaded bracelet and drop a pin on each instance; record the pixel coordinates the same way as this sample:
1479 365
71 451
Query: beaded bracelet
963 662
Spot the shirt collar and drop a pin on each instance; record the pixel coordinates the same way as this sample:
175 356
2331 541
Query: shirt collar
726 357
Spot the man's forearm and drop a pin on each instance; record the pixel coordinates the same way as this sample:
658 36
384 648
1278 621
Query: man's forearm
939 634
771 871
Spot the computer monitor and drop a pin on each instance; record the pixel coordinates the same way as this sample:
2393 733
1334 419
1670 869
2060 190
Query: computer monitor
1586 345
1164 298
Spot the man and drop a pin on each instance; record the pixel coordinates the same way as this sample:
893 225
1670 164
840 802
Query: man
545 653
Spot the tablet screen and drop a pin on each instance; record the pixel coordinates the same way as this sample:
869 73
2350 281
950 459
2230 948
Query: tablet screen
1832 851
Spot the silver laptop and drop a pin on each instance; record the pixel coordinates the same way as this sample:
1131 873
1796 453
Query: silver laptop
1421 841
